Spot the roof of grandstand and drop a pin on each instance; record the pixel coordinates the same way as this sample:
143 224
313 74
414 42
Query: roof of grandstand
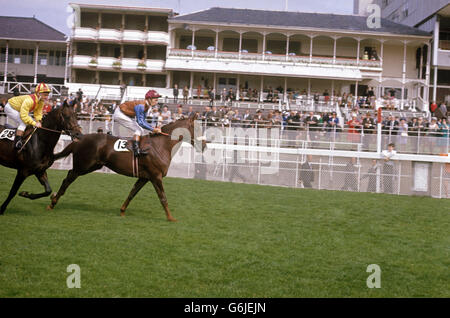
28 29
295 19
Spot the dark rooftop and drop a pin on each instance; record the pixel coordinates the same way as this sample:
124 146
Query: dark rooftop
28 28
296 19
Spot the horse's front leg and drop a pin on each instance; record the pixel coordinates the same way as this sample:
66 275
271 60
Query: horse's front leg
137 186
157 183
43 179
20 178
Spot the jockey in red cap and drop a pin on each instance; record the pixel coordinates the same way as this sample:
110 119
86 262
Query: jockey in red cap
132 115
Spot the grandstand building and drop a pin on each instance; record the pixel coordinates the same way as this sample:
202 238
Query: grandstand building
30 52
245 49
432 16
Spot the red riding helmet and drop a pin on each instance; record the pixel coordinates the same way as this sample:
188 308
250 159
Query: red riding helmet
152 94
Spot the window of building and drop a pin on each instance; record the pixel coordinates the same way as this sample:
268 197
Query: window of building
30 56
43 58
3 55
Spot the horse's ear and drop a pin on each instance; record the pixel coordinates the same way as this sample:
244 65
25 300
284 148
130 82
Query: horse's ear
193 116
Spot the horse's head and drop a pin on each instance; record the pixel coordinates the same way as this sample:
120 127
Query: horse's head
68 121
187 129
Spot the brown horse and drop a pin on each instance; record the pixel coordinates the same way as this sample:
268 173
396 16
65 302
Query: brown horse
94 151
37 155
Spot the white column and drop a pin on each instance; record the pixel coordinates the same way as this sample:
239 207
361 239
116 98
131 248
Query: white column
36 63
332 90
427 76
381 53
357 51
217 44
214 85
287 46
309 87
435 83
285 89
264 46
334 50
356 91
193 41
238 83
240 45
5 76
67 61
310 50
261 98
168 79
403 75
191 84
421 62
436 41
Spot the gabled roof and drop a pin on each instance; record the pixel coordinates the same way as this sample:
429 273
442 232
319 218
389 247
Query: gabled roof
299 20
28 29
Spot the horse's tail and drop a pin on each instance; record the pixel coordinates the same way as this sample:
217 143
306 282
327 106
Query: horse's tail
66 151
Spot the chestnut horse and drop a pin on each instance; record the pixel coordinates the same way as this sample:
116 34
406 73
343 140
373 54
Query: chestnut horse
37 154
94 151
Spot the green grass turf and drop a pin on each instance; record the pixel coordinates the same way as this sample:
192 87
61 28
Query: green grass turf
231 240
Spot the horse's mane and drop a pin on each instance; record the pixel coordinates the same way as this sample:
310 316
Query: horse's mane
50 116
170 126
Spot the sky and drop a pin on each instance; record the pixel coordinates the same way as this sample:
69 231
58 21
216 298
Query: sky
55 12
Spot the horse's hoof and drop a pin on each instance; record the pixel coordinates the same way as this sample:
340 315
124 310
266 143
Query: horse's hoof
49 208
172 220
122 214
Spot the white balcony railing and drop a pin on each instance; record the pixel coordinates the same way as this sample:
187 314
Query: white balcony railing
136 36
133 36
109 35
111 63
85 33
158 37
273 58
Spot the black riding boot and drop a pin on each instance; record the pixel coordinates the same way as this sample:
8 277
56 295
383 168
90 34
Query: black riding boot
18 142
136 150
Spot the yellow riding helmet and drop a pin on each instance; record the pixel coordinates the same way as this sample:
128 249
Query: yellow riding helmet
42 88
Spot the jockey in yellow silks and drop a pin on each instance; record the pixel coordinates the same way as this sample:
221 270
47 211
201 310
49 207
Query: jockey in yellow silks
19 108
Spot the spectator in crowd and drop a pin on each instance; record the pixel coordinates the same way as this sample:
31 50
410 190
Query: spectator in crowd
444 129
259 118
185 94
311 121
403 133
190 112
368 124
175 93
306 173
79 95
230 96
211 94
442 113
353 129
433 128
350 180
293 120
99 131
391 125
199 91
372 176
333 122
237 118
155 117
166 115
326 95
179 113
388 168
247 118
433 107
